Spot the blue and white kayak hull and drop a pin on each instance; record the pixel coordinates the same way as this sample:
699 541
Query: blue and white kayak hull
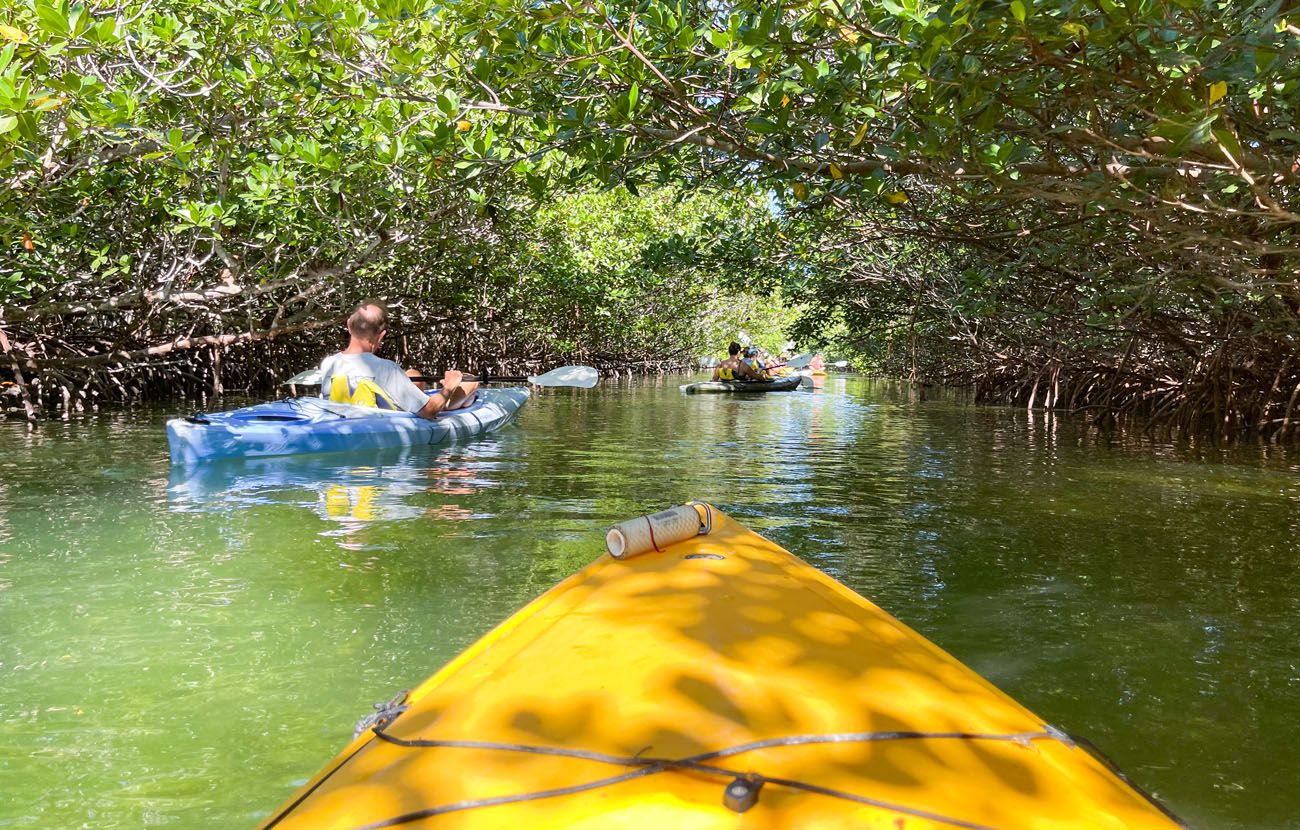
316 425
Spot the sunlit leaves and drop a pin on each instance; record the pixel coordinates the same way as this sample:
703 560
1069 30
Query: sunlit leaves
271 104
12 33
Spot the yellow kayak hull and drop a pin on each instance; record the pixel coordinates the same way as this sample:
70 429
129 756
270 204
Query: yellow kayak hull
729 652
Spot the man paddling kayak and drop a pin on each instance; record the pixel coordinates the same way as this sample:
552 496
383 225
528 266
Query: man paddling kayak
356 375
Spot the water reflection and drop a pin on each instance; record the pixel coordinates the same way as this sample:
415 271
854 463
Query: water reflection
348 492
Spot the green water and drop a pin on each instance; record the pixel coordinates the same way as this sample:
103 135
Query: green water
180 652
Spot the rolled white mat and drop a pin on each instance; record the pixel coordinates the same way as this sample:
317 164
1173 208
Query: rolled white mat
656 531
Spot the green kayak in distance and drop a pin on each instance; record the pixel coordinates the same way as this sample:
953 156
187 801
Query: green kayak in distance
711 386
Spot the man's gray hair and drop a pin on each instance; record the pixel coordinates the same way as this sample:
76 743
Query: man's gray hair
368 319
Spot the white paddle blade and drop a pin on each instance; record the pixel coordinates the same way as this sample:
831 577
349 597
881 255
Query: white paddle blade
800 361
583 377
840 364
311 377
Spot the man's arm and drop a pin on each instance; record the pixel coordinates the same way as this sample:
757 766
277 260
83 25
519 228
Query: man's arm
438 400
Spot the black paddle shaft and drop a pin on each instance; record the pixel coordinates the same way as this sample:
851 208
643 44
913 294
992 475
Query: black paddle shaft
475 379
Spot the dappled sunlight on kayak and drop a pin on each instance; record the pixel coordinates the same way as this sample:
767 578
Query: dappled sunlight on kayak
725 650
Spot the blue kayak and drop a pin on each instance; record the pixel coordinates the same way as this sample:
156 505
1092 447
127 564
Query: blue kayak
315 425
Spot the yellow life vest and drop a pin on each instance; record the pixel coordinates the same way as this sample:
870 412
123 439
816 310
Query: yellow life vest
726 373
365 393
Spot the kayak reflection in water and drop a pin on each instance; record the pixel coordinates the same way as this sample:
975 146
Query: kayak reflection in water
733 368
357 376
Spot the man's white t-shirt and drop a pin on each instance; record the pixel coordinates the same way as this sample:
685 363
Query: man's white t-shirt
384 373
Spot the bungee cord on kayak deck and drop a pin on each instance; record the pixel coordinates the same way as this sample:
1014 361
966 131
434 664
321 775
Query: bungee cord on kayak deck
648 765
301 404
297 404
742 791
1021 738
750 782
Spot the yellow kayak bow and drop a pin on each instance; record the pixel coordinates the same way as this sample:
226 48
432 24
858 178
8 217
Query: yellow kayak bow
718 683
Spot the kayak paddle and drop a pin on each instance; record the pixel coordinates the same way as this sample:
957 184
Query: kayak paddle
802 362
581 377
311 377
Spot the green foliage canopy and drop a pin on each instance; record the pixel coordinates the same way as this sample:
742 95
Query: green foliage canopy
1099 187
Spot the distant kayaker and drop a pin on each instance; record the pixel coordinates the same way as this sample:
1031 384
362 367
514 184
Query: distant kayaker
726 370
818 363
753 366
357 375
733 368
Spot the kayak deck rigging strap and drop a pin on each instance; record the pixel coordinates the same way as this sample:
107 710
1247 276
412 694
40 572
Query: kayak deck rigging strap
739 794
303 404
650 526
647 765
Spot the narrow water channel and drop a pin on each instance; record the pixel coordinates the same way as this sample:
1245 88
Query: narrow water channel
180 651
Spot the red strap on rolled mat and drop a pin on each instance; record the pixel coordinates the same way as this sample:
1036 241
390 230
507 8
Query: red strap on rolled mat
652 533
